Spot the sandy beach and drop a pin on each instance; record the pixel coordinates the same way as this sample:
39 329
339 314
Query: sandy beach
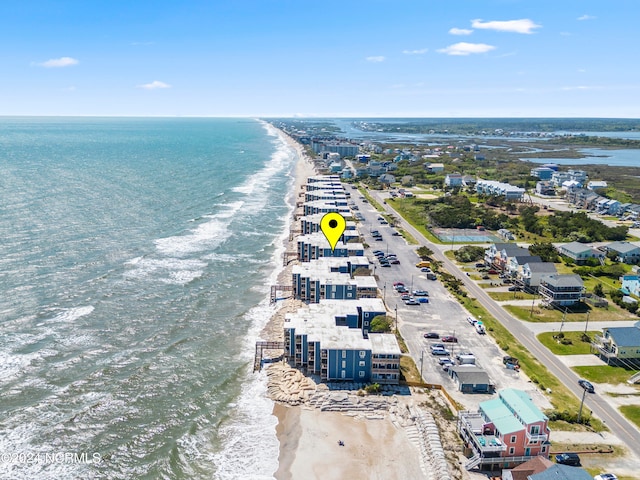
375 446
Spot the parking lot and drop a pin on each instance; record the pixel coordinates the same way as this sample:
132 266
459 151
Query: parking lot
443 315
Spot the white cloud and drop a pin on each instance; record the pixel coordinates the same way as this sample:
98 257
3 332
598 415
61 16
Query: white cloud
376 59
464 48
460 31
422 51
523 25
59 62
156 84
586 17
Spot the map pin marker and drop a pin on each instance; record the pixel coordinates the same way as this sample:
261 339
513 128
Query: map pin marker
333 225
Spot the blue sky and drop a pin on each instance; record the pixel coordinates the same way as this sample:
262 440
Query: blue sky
423 58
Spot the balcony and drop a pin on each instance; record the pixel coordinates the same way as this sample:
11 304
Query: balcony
539 438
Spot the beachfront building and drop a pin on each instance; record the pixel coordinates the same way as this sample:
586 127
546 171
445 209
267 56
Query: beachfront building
580 252
504 432
596 185
331 339
316 245
325 206
619 345
582 198
625 252
342 148
561 290
339 196
311 224
312 282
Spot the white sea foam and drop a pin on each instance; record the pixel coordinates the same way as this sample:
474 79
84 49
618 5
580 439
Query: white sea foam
71 314
251 447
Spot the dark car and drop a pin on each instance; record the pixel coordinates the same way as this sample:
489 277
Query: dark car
568 459
378 239
395 234
431 335
587 386
449 338
514 288
492 272
479 265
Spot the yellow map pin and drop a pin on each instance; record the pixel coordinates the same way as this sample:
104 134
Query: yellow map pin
333 225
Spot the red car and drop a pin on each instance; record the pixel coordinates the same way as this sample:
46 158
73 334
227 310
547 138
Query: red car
492 272
449 338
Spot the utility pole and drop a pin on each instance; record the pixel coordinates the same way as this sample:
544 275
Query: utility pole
396 309
584 392
586 325
421 361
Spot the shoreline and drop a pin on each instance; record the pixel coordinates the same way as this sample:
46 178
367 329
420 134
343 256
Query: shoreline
376 430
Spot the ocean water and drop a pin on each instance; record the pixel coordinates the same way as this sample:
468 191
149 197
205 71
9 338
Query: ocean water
135 262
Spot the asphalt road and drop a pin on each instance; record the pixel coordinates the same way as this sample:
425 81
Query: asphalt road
618 424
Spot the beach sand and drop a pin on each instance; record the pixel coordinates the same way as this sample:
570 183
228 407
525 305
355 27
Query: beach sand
374 448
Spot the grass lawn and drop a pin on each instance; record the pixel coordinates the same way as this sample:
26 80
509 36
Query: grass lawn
632 412
577 347
506 296
604 373
610 313
408 369
414 214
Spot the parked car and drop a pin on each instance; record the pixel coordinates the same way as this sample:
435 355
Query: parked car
514 288
506 280
437 345
396 234
423 299
394 261
431 335
412 301
386 264
402 290
606 476
492 272
442 361
486 277
425 269
568 459
440 351
509 360
421 293
471 320
449 338
586 385
378 239
479 265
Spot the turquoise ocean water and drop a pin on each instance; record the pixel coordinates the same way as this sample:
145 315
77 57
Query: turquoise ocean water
135 262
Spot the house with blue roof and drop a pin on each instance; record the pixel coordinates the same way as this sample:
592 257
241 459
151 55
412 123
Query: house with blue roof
505 431
626 252
562 472
619 345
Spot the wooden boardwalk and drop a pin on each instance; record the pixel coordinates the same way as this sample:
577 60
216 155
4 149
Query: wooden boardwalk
260 348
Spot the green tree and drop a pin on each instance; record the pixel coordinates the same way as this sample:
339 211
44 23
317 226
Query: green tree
381 324
424 252
598 290
545 250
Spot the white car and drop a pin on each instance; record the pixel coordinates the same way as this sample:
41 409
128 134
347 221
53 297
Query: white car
606 476
472 320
